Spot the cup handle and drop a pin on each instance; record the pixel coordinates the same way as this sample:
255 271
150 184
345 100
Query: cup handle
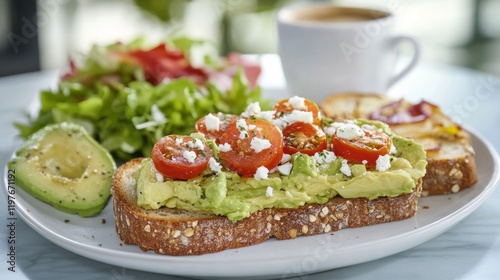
416 56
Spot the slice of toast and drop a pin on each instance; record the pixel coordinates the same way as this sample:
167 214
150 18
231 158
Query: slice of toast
450 156
177 232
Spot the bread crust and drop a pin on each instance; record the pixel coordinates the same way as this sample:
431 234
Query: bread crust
177 232
449 170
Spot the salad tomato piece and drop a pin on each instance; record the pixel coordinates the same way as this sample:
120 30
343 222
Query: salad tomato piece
254 143
224 121
364 148
180 157
304 138
284 107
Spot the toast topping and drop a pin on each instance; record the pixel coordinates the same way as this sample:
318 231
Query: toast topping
270 168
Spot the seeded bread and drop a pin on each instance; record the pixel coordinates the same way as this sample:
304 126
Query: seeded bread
451 163
177 232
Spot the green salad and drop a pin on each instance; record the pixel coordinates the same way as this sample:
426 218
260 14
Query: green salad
127 96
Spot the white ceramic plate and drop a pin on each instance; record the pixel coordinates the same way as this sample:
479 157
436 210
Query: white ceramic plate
96 238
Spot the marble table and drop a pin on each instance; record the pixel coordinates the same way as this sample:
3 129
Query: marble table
469 250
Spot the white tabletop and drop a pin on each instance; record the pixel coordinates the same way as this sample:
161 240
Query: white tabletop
469 250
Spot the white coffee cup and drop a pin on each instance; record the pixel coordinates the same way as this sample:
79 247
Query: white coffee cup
327 49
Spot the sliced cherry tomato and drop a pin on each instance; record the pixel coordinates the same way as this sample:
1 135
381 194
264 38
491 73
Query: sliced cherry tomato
398 112
284 107
367 147
243 156
304 138
224 121
180 157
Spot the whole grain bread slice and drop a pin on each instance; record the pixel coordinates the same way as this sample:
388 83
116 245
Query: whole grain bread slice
451 159
178 232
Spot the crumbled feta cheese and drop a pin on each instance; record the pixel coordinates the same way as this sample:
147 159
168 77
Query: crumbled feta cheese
324 157
159 177
178 141
369 127
269 191
298 116
258 145
225 147
261 173
345 168
297 103
266 115
330 130
241 124
190 156
285 158
393 150
280 123
196 144
349 131
212 122
251 110
364 161
383 163
285 168
214 165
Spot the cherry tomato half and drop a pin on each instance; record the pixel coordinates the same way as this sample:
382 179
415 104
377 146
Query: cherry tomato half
367 147
285 107
304 138
180 157
243 156
224 121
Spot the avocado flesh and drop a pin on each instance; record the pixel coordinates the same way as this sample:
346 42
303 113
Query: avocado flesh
65 167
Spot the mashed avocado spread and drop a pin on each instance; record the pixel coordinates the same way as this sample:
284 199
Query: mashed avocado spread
311 180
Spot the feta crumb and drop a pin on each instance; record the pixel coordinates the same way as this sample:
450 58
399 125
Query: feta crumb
214 165
241 124
383 163
364 162
159 177
258 145
298 116
324 157
178 141
225 147
393 150
251 110
297 102
285 158
330 130
369 127
285 168
266 115
349 131
269 191
261 173
190 156
212 122
199 144
345 168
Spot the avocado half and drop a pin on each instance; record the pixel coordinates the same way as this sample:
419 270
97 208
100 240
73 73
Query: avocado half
62 165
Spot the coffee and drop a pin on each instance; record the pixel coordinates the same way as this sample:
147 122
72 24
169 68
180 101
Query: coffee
327 49
334 14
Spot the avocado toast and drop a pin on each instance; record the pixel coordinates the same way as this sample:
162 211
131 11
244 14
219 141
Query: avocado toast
451 158
255 184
